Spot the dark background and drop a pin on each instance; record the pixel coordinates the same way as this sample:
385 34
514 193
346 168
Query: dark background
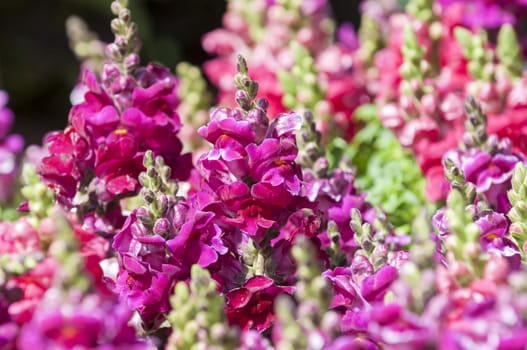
38 70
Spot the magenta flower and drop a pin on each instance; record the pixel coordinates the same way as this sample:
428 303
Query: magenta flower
488 13
474 316
334 197
254 177
11 147
100 154
200 238
359 285
390 325
146 277
90 323
252 306
491 174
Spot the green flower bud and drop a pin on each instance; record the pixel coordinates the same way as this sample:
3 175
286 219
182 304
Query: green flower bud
509 51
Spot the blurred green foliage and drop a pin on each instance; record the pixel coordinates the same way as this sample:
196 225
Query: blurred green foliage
383 169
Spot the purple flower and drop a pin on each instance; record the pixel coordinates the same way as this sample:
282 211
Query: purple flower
335 196
199 240
440 223
375 286
358 285
494 237
348 37
146 276
229 122
491 174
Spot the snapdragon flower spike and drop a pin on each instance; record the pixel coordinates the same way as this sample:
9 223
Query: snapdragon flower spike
487 162
198 317
162 239
310 153
96 160
498 82
475 49
252 188
333 192
479 229
262 31
146 272
124 50
364 282
11 147
426 116
251 167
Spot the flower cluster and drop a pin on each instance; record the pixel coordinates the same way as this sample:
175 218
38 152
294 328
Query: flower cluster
97 159
440 64
292 52
488 14
308 213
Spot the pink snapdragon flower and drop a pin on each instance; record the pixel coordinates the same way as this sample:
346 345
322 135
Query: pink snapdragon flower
96 160
310 25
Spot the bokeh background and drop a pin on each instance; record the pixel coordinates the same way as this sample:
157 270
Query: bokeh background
38 69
